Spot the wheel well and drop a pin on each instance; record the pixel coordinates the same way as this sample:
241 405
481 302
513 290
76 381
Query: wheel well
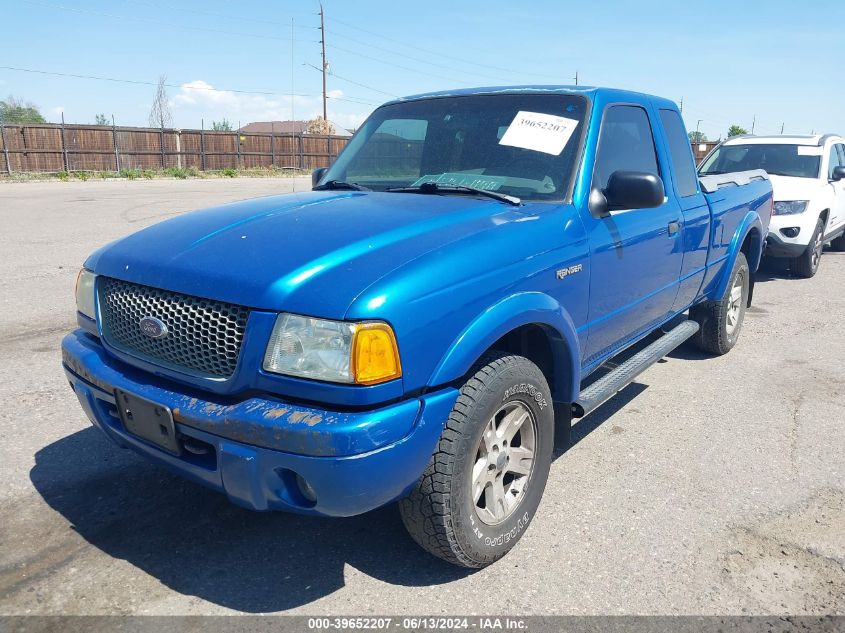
752 248
824 215
534 343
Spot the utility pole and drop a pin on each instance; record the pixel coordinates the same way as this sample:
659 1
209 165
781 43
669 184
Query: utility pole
682 105
292 115
576 77
781 127
325 66
753 124
696 130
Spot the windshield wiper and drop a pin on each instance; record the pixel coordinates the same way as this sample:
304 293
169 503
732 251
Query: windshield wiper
341 184
433 187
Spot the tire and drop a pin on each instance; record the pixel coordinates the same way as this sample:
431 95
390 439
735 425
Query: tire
839 243
721 321
807 265
442 514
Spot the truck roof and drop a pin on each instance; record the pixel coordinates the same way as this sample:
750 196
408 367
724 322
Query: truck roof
588 91
813 140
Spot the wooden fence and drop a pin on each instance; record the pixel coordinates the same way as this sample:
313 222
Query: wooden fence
53 147
57 147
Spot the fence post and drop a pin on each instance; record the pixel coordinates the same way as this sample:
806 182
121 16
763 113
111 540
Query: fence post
328 150
114 142
272 143
179 148
301 152
64 145
202 142
238 142
161 143
5 146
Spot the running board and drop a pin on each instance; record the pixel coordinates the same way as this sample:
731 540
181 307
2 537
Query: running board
612 383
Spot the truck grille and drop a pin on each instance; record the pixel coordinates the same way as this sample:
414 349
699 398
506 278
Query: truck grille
203 336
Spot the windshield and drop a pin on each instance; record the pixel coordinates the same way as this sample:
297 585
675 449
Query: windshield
798 161
523 145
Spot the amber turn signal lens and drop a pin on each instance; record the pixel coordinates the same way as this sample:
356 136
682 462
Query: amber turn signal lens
375 355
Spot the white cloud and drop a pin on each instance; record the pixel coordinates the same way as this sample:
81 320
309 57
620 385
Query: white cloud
57 110
334 94
198 99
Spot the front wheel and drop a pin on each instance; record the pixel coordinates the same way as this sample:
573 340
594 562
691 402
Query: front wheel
807 264
484 482
721 321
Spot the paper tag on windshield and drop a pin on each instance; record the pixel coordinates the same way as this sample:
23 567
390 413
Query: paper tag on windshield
540 132
809 150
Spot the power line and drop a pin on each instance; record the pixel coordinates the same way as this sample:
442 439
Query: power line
407 68
184 86
351 81
438 53
236 18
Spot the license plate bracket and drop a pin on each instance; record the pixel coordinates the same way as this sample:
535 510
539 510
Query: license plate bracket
147 420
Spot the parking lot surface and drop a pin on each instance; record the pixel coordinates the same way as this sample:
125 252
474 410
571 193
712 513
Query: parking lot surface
709 486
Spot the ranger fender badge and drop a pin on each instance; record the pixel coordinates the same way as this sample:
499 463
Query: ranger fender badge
563 273
153 327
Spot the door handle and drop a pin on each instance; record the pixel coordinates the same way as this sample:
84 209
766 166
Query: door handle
674 227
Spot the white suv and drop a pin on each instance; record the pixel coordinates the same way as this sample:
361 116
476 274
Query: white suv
808 178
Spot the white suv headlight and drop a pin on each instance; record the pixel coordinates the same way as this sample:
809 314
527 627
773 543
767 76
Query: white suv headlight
85 298
334 351
789 207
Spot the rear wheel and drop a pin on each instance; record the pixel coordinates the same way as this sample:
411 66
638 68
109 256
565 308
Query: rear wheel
839 243
807 264
484 482
721 321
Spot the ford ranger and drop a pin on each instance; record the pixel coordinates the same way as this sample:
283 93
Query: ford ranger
422 325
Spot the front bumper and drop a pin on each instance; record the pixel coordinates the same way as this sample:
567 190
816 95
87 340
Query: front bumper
256 448
777 246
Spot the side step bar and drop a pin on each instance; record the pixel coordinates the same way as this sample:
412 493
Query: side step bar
612 383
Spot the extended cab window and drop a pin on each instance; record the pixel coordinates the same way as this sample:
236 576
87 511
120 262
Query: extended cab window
626 143
524 145
680 153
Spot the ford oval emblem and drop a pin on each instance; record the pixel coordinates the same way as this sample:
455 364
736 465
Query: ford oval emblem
153 327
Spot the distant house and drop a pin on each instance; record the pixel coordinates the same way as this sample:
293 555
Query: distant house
286 127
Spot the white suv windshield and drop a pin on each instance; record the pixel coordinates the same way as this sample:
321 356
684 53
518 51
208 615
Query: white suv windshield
798 161
523 145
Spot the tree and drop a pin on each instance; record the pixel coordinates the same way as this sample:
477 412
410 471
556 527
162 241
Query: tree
736 130
319 126
14 110
697 137
101 119
160 115
221 126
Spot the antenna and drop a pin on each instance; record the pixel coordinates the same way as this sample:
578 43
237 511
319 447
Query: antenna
292 117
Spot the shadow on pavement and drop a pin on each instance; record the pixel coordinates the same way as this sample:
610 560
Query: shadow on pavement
197 543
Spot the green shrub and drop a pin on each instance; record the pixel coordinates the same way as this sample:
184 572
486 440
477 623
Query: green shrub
176 172
130 174
63 176
229 172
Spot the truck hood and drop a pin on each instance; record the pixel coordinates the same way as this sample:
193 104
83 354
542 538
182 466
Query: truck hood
789 188
311 253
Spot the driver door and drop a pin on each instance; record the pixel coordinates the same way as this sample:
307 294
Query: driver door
636 253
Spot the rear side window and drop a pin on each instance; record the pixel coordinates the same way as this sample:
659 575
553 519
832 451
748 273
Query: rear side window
626 143
841 149
680 153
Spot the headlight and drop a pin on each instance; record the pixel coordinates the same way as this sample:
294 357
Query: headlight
790 207
334 351
85 300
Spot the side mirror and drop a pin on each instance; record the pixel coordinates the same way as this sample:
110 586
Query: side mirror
317 175
628 190
838 174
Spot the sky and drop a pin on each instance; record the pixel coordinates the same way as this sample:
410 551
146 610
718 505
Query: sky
773 64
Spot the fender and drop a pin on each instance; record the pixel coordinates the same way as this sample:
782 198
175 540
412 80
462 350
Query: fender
514 311
749 222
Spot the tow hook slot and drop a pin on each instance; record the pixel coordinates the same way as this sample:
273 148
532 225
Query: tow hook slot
195 448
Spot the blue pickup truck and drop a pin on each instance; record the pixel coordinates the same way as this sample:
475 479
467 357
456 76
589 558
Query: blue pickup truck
422 325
